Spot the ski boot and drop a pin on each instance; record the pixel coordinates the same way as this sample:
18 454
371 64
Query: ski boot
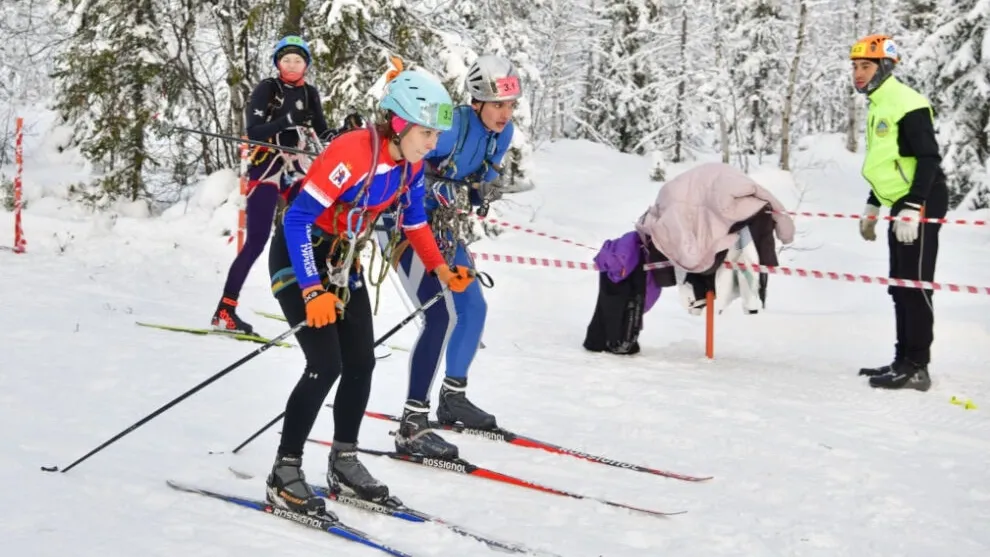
415 437
904 375
456 408
346 474
287 488
225 318
877 371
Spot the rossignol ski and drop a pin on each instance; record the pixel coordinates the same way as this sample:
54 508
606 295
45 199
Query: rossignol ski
198 331
395 508
327 524
461 466
506 436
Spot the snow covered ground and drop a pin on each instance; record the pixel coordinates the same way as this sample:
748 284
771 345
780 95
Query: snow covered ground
807 459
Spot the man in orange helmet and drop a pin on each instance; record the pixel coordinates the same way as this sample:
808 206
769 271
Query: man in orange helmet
903 168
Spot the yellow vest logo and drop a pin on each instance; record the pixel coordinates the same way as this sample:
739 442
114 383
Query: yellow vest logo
882 128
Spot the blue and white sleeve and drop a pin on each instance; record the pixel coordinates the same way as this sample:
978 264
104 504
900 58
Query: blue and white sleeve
298 223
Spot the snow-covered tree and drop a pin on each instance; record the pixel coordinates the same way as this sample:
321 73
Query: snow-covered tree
628 77
352 43
759 67
959 48
560 30
112 81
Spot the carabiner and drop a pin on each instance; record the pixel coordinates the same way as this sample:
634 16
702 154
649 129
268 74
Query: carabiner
352 232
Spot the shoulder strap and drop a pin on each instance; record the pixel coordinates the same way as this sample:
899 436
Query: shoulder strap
276 99
465 114
463 120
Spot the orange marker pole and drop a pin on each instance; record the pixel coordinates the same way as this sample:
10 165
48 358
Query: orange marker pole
710 325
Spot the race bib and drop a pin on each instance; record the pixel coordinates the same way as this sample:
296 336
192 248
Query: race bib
507 86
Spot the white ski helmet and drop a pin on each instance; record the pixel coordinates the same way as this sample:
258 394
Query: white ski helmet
493 79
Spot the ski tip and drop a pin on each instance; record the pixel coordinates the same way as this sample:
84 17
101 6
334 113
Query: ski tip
49 469
240 474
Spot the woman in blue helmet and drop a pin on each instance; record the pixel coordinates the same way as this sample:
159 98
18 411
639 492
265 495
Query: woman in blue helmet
279 111
470 152
317 277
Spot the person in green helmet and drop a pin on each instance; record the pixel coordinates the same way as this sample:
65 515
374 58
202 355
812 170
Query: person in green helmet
902 166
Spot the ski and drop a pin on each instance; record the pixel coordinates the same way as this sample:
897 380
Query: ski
381 351
506 436
396 509
461 466
270 315
324 523
195 331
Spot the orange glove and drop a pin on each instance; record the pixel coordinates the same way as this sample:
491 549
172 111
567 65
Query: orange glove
321 306
456 278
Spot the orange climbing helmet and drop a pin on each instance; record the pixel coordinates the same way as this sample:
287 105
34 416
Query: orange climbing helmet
875 47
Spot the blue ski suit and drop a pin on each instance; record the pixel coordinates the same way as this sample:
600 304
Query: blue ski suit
469 152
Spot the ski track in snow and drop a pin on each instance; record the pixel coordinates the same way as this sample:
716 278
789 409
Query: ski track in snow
808 461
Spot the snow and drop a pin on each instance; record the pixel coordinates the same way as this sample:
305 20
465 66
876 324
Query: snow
808 461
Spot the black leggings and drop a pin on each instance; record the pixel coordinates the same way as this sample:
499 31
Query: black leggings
344 349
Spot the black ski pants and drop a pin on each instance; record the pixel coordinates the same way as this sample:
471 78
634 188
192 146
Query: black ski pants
914 310
342 350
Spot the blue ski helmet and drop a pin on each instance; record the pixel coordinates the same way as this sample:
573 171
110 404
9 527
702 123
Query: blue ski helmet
292 43
419 99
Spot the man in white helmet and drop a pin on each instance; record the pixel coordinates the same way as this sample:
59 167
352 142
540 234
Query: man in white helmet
465 163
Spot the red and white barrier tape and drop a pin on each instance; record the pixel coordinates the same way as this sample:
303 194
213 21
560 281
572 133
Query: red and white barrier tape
787 271
511 226
887 218
528 230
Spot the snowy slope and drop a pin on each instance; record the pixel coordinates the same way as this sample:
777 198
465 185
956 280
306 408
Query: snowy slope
807 459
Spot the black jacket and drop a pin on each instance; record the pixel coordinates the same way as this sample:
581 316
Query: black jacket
274 102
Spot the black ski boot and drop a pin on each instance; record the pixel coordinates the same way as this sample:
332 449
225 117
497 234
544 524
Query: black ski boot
877 371
346 474
225 318
456 408
904 375
415 436
287 488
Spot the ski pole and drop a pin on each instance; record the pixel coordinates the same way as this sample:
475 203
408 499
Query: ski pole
170 128
436 298
180 398
402 294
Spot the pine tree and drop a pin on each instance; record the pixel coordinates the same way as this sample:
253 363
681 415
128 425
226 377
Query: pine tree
352 43
758 72
957 50
916 19
627 77
111 83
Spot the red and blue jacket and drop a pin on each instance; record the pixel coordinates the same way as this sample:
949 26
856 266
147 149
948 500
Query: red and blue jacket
334 199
